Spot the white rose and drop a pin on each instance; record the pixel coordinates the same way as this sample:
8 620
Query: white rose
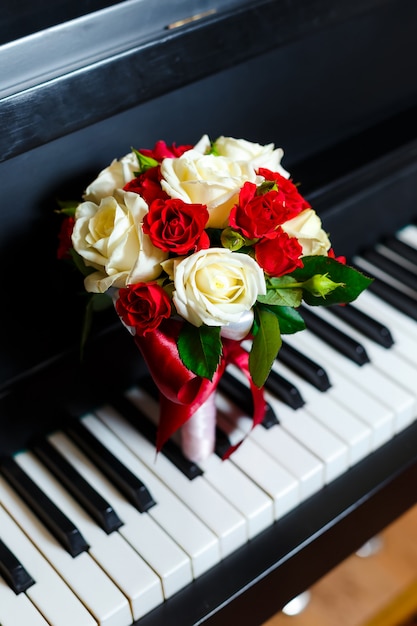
215 286
113 177
110 239
307 228
254 153
215 181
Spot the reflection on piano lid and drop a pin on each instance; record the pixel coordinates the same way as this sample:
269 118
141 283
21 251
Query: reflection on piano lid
334 459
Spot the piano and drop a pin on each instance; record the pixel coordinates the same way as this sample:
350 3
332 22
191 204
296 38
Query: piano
333 85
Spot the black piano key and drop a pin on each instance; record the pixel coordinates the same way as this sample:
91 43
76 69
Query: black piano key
133 489
284 390
306 368
13 571
231 384
404 250
222 443
54 519
402 274
365 324
270 419
393 296
92 502
241 395
341 342
142 423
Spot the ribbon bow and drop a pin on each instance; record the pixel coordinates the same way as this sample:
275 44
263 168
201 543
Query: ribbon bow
181 391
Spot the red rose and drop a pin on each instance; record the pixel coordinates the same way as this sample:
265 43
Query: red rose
147 185
143 306
279 256
175 226
64 238
258 215
293 200
340 259
162 151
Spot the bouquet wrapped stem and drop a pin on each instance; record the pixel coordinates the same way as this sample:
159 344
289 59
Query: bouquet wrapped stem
198 433
196 241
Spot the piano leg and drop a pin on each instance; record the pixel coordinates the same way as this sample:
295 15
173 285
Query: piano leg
297 604
371 547
300 602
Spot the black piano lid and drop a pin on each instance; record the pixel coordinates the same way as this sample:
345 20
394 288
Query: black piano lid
126 52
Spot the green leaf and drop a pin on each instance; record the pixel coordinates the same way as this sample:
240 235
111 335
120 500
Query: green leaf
67 207
267 185
289 319
79 263
145 162
213 149
282 297
265 346
352 281
200 349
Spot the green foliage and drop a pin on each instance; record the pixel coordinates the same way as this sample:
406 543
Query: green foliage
200 349
289 319
283 291
265 346
350 282
67 207
145 162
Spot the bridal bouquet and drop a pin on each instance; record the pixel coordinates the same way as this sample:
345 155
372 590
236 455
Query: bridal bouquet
201 247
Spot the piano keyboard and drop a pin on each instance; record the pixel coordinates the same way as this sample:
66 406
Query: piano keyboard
95 529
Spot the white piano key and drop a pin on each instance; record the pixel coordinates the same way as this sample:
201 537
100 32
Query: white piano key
374 382
403 329
275 480
283 449
287 451
391 364
17 609
315 437
408 234
300 462
138 582
378 306
237 488
82 574
164 555
241 491
195 538
396 256
253 503
329 448
52 597
333 415
379 417
367 266
210 506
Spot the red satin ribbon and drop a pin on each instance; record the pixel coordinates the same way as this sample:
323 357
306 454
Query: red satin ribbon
181 391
